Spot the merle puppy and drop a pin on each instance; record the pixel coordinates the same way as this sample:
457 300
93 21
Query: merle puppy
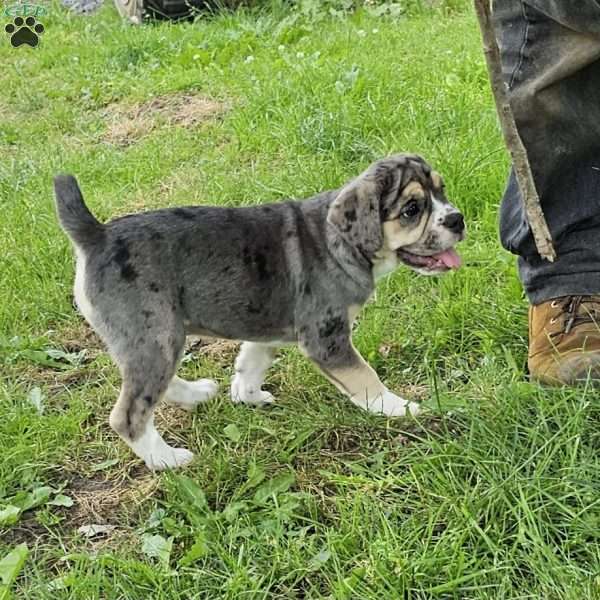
271 275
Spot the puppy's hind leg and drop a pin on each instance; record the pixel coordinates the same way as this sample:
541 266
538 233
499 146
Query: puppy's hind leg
146 373
251 366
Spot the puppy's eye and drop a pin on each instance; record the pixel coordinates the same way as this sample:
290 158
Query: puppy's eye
411 209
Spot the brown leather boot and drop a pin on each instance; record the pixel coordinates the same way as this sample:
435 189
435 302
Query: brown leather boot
564 340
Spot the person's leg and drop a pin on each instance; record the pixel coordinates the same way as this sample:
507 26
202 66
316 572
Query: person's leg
550 53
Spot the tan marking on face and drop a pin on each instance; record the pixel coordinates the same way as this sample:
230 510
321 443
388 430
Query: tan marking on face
395 235
414 188
436 179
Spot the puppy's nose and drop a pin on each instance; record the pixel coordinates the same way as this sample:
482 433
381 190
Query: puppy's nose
455 222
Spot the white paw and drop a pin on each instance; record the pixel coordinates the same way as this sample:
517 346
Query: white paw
188 394
391 405
156 453
169 458
244 394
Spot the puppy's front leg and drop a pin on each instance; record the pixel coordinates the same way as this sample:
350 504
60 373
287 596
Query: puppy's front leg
339 361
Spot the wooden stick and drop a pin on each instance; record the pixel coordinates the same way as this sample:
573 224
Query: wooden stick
537 221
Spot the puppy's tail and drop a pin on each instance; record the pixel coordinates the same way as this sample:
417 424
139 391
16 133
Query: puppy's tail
74 216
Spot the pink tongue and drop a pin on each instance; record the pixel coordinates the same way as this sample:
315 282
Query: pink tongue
449 258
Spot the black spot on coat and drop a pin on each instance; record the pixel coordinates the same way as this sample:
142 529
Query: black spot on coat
332 325
121 258
128 273
350 215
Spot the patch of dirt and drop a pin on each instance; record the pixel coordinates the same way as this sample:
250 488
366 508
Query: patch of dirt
79 336
128 123
26 530
75 338
102 501
174 422
342 445
354 443
97 501
52 381
216 349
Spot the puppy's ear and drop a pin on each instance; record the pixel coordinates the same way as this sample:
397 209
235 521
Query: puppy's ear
355 214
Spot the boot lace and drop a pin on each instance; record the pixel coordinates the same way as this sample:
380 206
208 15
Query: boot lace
577 310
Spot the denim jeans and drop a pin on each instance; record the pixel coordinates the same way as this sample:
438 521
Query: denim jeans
550 52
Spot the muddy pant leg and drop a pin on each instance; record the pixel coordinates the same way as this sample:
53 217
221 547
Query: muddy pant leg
550 53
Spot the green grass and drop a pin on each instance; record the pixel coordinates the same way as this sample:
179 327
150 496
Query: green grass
493 495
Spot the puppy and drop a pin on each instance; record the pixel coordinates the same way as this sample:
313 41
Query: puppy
274 274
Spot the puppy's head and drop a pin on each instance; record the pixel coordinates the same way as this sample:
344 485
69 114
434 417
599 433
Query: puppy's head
398 207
